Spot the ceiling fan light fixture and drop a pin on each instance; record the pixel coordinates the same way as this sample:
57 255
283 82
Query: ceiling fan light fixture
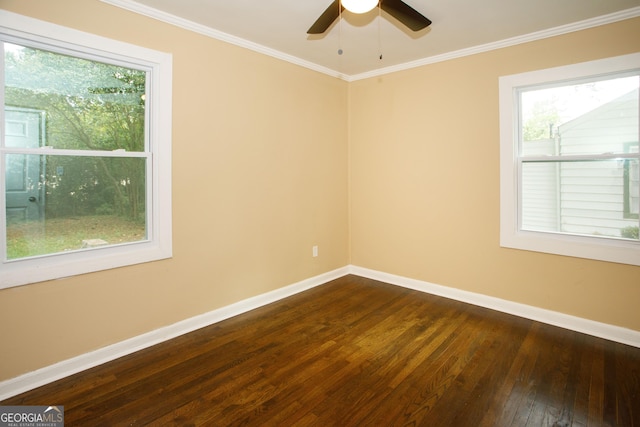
359 6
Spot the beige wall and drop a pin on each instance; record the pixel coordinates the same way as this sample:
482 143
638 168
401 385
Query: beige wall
259 177
261 165
425 182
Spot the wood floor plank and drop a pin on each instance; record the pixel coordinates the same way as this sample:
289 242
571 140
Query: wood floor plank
358 352
581 382
419 392
509 397
628 386
596 387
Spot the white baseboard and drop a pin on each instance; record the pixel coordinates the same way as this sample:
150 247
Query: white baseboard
48 374
578 324
85 361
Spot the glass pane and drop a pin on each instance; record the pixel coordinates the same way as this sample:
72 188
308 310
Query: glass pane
575 119
595 198
88 105
62 203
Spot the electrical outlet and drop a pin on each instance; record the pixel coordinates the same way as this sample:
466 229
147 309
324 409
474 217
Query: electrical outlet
314 250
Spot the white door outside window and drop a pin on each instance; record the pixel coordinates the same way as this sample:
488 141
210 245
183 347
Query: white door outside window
24 173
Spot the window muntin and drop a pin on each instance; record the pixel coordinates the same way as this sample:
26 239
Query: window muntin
569 156
99 141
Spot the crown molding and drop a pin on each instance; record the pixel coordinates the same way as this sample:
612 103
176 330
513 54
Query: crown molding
186 24
531 37
168 18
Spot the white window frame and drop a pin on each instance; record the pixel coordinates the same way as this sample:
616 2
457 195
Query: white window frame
511 233
158 243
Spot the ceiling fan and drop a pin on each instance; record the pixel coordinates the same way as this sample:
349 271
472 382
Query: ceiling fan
404 13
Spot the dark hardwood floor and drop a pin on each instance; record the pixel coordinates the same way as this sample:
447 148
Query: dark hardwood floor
356 352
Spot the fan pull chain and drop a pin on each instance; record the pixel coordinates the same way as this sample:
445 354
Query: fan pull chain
340 28
379 30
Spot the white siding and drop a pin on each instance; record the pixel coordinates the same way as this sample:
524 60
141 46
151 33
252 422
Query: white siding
540 201
592 193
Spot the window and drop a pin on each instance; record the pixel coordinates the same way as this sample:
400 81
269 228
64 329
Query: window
569 160
85 152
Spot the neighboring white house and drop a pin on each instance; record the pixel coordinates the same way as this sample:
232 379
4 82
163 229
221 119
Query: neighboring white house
586 197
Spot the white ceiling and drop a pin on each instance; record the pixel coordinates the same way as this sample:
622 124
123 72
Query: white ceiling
278 28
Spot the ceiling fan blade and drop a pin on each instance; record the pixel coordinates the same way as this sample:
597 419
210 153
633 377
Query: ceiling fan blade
326 19
405 14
